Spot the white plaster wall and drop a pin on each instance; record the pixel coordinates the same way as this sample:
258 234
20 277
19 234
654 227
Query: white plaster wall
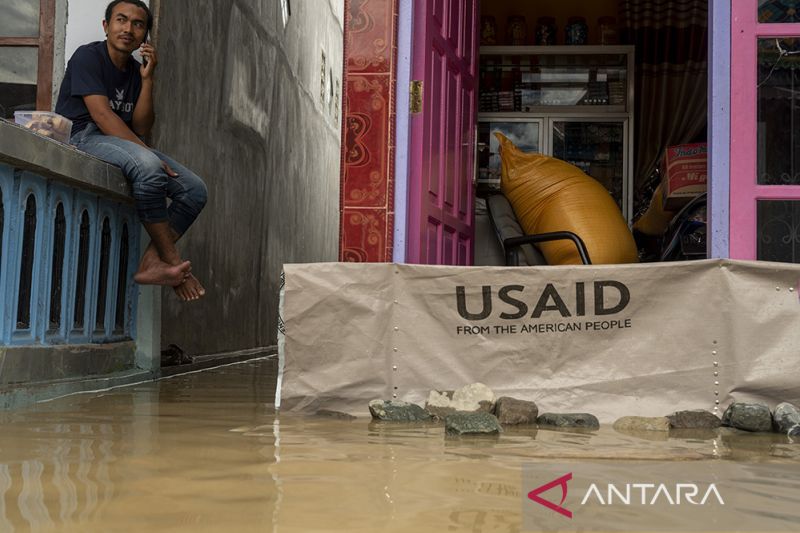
84 23
59 38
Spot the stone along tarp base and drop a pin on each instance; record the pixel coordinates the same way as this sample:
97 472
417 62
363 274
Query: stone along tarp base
614 339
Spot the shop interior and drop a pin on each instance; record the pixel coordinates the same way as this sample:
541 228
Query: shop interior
608 86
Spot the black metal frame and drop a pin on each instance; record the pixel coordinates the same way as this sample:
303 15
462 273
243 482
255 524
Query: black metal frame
513 242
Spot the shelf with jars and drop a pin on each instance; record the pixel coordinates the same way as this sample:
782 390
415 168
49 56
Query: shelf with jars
571 102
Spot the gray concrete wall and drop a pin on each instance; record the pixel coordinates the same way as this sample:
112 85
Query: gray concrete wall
240 100
59 40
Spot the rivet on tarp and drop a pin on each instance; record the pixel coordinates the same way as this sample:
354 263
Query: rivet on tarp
791 289
396 328
716 381
777 288
394 367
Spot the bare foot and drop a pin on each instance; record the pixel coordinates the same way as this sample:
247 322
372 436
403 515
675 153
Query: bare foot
161 273
190 289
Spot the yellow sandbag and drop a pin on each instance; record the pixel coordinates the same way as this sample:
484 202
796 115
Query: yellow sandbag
655 220
548 194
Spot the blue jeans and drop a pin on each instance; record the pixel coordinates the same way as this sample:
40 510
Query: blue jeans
150 183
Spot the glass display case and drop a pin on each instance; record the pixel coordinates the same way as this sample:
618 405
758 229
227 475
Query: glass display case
595 146
535 78
571 102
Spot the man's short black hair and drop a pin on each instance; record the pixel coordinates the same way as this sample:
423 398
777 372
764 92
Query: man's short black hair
137 3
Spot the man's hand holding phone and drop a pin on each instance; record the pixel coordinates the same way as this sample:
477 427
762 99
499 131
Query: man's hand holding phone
149 60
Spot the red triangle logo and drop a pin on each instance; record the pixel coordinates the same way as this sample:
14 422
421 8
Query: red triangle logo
562 481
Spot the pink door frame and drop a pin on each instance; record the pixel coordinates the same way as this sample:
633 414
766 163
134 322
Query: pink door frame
744 189
441 141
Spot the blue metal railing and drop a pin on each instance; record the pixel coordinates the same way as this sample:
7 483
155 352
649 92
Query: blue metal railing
51 285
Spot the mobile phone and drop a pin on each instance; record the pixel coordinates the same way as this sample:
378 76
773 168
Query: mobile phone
137 55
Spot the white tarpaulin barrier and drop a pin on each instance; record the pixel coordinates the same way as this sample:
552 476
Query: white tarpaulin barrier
612 340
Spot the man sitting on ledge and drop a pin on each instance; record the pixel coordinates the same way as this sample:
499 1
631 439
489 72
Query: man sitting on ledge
108 96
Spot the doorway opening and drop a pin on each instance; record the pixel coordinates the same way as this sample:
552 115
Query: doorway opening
611 87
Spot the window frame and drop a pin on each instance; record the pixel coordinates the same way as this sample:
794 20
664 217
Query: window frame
44 42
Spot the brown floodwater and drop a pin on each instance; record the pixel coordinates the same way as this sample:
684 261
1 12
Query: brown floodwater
207 452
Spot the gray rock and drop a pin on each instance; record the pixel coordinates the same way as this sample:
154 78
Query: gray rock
748 417
479 423
471 398
439 398
438 403
439 412
397 411
569 420
510 411
642 423
694 434
785 417
485 407
695 419
338 415
794 431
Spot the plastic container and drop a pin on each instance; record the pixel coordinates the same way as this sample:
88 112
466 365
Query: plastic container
517 30
576 31
45 123
546 31
488 30
608 30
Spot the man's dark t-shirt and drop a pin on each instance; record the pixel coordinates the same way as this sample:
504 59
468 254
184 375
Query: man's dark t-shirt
91 71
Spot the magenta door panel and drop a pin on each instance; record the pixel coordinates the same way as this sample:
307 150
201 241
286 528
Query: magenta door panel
441 144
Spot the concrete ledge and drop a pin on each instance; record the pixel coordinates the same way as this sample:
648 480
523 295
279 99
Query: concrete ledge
36 364
26 395
23 149
15 396
207 361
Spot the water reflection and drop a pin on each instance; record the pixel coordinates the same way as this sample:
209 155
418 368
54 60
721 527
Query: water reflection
53 472
207 452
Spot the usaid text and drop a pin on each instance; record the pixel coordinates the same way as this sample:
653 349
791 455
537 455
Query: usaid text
512 302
